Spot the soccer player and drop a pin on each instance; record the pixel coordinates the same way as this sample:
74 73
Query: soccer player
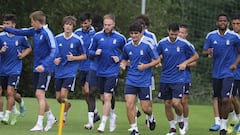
107 47
224 46
142 56
13 50
175 53
45 51
183 33
71 51
152 39
235 108
86 32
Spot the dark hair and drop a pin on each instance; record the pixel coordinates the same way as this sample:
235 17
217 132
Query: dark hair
183 26
97 22
84 17
144 18
173 27
136 26
10 17
236 16
222 14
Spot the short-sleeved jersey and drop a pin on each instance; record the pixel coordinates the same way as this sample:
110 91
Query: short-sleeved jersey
150 35
73 45
188 70
144 52
86 36
224 52
111 45
174 53
44 48
10 63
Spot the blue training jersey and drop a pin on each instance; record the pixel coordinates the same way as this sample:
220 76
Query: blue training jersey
111 45
224 52
188 70
144 52
10 63
174 53
86 36
74 45
44 49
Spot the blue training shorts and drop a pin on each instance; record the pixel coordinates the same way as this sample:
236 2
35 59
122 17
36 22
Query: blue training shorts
41 80
223 87
144 93
167 91
67 83
11 80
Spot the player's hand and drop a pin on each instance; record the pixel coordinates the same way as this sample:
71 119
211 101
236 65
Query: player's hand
233 67
123 65
39 68
57 60
141 66
116 59
98 51
182 66
70 57
210 52
20 55
4 49
1 27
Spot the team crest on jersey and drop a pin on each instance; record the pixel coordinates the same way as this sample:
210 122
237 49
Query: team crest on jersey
16 42
71 45
178 49
227 42
4 43
141 52
60 44
41 37
102 39
130 53
114 41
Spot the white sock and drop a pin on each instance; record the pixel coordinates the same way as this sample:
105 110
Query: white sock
223 124
134 126
40 120
185 121
233 115
14 109
104 119
150 117
1 115
90 117
22 103
65 116
179 118
95 110
50 114
217 120
7 113
172 124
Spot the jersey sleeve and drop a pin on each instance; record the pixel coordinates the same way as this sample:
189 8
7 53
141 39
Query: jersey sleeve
20 32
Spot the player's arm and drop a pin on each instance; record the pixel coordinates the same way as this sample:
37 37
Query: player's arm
193 58
154 62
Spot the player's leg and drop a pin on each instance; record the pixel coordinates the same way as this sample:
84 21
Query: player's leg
165 93
41 83
1 102
145 96
130 101
185 105
225 102
93 87
177 91
19 99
